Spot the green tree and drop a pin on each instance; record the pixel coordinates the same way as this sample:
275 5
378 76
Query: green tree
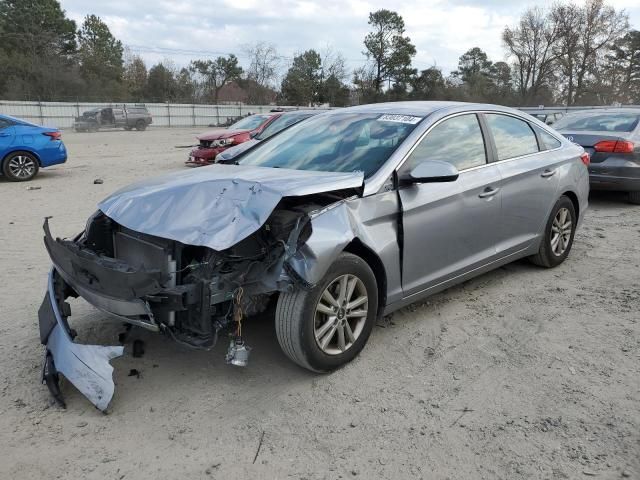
389 50
428 85
303 82
625 60
135 78
161 83
100 56
214 74
37 44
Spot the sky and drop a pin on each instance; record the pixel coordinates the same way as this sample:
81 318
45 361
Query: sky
188 29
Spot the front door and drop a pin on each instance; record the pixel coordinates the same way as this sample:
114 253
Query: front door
449 228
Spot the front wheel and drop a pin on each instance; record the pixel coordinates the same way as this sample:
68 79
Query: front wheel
327 326
558 236
141 125
634 197
20 166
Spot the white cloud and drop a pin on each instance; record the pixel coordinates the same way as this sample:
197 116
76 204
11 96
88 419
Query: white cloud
441 30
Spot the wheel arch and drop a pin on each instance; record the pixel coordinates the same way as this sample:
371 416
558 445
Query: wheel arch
22 149
571 195
357 247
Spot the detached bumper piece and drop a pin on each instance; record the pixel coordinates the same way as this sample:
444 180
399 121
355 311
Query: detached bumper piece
87 367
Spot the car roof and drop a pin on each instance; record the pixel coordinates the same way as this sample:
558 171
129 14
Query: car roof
423 108
19 120
595 111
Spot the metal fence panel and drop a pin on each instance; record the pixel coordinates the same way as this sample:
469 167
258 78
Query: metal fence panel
62 114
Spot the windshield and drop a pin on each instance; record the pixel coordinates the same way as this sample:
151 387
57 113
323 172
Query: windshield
281 123
341 142
249 123
599 122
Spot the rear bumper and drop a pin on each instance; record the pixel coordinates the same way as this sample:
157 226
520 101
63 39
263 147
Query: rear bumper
53 155
615 174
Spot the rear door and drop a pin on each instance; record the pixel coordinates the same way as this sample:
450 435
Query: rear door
530 177
6 136
449 228
119 117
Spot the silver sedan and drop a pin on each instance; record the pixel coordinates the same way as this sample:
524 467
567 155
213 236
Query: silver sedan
338 220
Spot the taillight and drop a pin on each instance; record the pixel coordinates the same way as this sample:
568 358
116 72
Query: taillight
53 135
585 158
614 146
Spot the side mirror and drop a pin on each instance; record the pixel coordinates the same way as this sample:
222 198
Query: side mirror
433 171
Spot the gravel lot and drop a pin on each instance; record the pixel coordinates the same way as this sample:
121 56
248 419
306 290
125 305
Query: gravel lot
521 373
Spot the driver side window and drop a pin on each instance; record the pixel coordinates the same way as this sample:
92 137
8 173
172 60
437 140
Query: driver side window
4 123
458 141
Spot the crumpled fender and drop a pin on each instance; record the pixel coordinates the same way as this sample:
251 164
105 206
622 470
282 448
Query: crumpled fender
87 367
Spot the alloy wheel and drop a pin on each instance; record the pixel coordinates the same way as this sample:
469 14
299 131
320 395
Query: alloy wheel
561 230
22 167
341 314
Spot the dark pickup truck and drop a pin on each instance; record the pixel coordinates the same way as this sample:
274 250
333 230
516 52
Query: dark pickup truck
127 117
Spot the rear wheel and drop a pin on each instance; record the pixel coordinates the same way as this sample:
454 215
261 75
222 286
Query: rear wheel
323 328
20 166
558 236
141 125
634 197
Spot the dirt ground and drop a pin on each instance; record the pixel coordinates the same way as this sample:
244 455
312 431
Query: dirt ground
522 373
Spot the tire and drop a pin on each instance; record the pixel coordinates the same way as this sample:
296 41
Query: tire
634 197
93 128
141 125
20 166
551 252
297 318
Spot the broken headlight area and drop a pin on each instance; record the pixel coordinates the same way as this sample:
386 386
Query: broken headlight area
190 293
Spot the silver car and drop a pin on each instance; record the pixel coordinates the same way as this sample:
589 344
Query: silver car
339 220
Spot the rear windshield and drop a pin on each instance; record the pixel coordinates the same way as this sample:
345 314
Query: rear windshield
249 123
599 122
281 123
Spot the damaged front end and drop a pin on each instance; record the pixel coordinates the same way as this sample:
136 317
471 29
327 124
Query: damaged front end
176 261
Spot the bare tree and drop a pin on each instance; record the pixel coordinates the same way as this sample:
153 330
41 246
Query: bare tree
568 19
262 73
601 27
530 45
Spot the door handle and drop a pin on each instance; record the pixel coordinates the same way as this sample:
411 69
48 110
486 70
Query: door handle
548 173
489 192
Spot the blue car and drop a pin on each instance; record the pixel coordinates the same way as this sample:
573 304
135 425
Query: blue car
25 148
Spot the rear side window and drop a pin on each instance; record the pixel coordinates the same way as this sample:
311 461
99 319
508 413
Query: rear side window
549 142
457 140
513 137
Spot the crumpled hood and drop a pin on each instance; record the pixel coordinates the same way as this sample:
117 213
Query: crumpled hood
218 205
220 133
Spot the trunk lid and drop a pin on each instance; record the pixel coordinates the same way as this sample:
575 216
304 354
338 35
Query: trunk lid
587 140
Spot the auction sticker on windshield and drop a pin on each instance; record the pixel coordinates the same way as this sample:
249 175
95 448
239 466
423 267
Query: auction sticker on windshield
400 119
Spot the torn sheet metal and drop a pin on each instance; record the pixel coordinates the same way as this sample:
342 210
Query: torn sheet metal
216 206
87 367
371 220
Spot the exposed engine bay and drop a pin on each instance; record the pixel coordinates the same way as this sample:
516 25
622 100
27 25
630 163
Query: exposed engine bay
191 292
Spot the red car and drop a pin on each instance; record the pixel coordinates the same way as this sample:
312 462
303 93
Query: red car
215 141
